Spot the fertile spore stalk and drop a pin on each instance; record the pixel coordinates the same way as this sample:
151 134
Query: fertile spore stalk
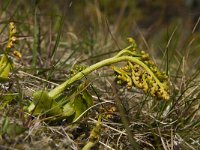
140 72
6 62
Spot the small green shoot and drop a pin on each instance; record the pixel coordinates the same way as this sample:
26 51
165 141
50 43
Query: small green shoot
94 135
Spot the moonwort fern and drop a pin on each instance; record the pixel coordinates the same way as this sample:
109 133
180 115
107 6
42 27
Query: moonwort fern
140 72
6 63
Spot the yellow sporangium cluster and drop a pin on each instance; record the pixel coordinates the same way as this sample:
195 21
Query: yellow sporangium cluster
11 37
12 40
6 63
145 77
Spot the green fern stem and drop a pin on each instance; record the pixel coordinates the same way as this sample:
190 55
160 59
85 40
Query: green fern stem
60 88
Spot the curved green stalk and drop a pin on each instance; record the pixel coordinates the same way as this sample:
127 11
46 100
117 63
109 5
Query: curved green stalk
140 70
60 88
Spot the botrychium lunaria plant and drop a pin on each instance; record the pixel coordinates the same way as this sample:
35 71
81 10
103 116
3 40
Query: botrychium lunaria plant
6 63
140 72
